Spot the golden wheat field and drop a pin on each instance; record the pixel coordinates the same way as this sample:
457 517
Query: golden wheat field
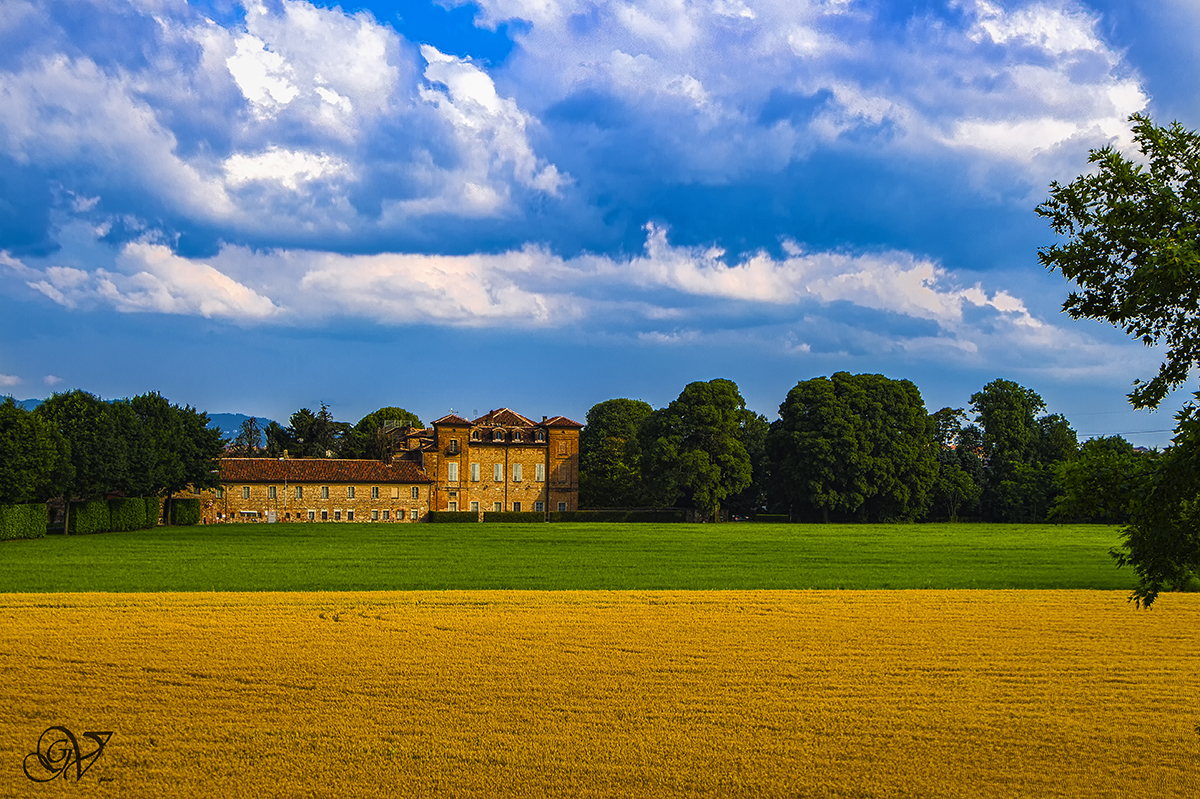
759 693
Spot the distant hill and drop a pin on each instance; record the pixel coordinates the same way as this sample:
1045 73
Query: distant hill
28 404
230 423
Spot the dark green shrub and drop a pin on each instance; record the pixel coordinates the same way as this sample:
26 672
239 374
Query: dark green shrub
452 516
773 518
185 511
517 517
127 513
89 517
656 515
153 511
23 521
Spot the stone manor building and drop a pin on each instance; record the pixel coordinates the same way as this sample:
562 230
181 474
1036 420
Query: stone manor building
501 461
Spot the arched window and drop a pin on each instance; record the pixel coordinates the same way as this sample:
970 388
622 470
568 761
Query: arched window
516 435
539 436
474 435
497 434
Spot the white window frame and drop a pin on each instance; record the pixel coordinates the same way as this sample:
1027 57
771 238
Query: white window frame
299 492
498 473
349 492
474 507
453 505
412 515
516 472
324 492
271 492
474 472
416 492
452 471
539 472
498 507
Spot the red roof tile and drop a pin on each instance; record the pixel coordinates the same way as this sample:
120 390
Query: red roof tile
560 421
505 417
450 419
319 470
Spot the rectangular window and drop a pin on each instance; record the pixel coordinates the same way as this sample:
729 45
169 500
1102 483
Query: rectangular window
412 514
562 448
454 446
349 515
416 492
374 515
516 472
395 492
337 515
516 507
350 492
324 515
220 492
539 506
497 506
453 506
270 492
474 507
324 492
375 492
299 492
474 472
452 474
312 514
539 472
498 473
387 514
245 492
562 507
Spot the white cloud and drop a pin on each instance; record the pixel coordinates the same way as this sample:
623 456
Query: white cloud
52 380
289 168
9 380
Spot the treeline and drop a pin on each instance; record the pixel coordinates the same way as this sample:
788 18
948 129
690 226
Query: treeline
850 448
319 435
78 448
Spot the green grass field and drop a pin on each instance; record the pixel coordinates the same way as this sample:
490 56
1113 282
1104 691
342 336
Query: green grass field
375 557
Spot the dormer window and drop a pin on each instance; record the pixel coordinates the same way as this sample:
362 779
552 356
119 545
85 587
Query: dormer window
539 436
516 435
474 435
497 435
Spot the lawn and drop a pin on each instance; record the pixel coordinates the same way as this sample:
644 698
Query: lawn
377 557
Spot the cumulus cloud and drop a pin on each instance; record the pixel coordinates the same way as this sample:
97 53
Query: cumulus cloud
52 380
9 380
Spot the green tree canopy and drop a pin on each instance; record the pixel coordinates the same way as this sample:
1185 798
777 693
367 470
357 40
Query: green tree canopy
854 447
97 454
1132 248
368 438
692 449
610 455
35 460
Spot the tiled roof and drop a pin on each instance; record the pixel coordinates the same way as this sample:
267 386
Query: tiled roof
560 421
504 417
319 470
451 419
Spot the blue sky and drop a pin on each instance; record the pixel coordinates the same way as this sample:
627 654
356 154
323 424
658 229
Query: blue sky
257 206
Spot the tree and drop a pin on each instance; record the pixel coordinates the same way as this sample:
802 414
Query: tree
249 438
368 438
317 434
1133 250
1097 484
854 447
194 452
610 455
692 449
1021 449
755 497
34 456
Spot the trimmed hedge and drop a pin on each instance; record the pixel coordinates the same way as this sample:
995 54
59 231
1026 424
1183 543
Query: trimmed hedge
153 511
89 517
452 516
659 515
515 516
127 513
23 521
185 511
773 518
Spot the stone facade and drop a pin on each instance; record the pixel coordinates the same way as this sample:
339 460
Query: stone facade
500 461
317 489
